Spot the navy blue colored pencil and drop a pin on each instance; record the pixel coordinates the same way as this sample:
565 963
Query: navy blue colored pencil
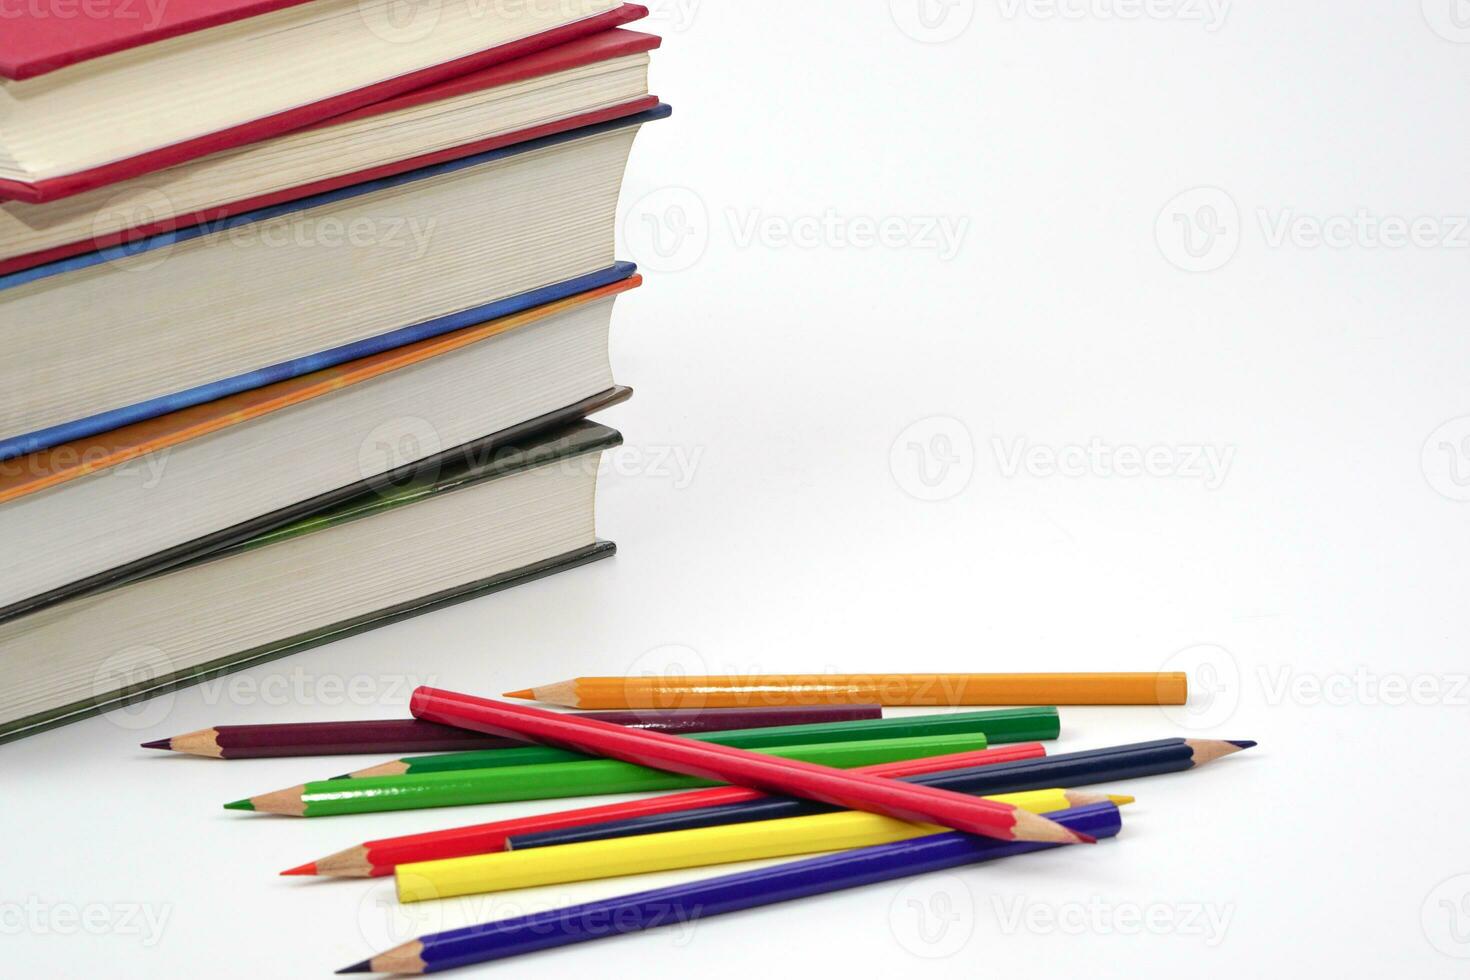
716 896
1070 769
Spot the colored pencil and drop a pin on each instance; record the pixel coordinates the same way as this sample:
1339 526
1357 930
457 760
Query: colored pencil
1005 725
914 690
1071 769
690 848
854 791
376 858
558 779
715 896
412 735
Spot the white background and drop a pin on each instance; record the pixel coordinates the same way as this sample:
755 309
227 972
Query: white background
822 471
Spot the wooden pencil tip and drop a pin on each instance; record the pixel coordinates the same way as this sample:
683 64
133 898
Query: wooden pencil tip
1210 749
1034 827
240 805
1078 797
529 694
301 869
366 966
395 768
287 802
162 743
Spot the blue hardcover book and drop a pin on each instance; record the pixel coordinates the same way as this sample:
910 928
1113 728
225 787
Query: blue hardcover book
132 332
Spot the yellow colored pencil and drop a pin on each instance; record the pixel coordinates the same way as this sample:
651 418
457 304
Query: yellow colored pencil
700 847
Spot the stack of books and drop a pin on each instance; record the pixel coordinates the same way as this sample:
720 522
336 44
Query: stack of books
304 305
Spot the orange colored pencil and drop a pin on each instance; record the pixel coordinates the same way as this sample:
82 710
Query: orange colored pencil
907 690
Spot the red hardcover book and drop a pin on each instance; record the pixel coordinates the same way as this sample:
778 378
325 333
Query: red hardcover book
95 100
596 79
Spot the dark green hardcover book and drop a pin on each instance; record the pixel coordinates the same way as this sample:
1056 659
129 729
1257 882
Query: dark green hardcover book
474 523
229 537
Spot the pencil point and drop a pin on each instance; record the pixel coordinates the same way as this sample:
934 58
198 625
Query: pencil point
1034 827
1120 799
529 694
1242 743
240 805
301 869
162 743
1210 749
366 966
395 768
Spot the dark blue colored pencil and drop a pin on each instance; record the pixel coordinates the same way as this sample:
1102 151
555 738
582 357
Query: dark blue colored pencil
716 896
1064 771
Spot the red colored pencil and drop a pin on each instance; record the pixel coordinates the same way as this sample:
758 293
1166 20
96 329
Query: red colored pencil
376 858
770 774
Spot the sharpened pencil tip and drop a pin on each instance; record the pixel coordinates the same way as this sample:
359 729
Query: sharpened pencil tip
366 966
240 805
529 694
1120 799
301 869
1242 743
1084 838
162 743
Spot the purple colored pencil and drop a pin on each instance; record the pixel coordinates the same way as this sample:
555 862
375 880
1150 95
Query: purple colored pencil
410 735
716 896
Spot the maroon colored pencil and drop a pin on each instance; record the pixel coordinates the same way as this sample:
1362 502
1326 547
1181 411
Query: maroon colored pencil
411 735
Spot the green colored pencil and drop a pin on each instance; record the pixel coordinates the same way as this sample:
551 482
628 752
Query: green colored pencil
559 779
1004 725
